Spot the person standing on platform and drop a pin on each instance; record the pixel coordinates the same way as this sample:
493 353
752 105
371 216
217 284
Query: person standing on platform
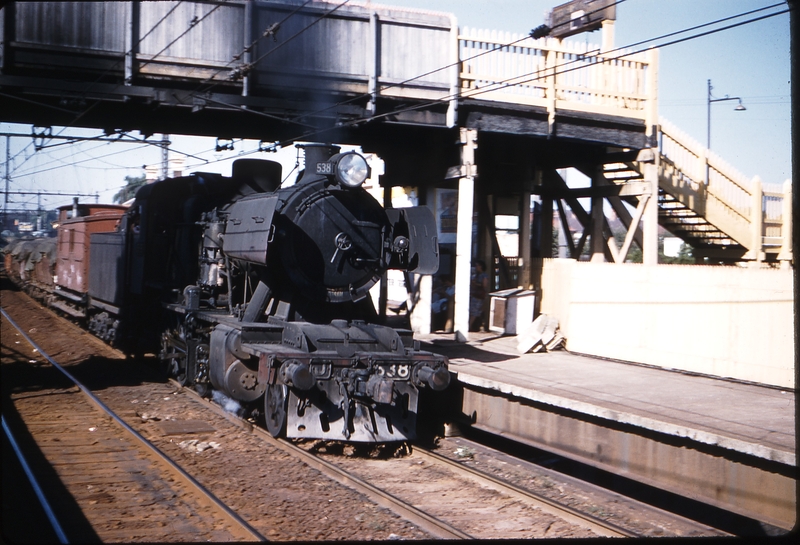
479 290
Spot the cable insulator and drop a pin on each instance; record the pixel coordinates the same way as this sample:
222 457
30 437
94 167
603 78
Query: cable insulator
540 32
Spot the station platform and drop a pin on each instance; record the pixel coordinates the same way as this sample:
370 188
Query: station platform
748 418
723 442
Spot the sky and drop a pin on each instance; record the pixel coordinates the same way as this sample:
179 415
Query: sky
751 62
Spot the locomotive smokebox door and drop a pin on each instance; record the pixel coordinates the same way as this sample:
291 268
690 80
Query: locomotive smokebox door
416 245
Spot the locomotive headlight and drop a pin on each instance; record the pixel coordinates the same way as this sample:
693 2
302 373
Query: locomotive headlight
352 169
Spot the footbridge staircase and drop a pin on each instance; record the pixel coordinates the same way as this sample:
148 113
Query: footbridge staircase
717 210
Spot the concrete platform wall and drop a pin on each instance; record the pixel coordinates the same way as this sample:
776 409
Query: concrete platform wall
721 321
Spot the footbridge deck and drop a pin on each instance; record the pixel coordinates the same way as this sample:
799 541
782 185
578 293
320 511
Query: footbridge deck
361 73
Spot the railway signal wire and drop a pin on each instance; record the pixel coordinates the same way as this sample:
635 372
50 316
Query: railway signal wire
552 71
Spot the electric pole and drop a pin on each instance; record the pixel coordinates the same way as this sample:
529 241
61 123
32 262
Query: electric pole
8 179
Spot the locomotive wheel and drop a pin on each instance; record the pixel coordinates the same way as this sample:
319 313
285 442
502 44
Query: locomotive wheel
178 371
202 388
276 401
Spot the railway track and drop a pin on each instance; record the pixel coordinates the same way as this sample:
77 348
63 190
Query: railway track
418 498
427 512
534 510
122 486
421 487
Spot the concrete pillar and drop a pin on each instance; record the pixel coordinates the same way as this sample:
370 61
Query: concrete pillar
466 194
756 252
785 255
607 33
420 308
598 217
650 215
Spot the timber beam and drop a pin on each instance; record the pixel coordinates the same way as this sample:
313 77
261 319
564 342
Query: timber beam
630 189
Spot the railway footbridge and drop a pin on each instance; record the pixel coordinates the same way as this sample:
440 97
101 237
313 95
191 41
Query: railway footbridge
486 116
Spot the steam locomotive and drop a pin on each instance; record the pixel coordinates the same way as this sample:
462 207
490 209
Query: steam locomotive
262 292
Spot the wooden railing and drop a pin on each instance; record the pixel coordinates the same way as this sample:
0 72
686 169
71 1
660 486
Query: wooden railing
756 215
558 75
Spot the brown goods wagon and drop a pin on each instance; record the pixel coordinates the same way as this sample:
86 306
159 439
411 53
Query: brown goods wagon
32 261
76 224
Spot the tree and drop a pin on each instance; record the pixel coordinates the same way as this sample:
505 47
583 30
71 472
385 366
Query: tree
132 185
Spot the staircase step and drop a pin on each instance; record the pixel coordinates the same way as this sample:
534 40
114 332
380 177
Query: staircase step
623 175
680 217
678 214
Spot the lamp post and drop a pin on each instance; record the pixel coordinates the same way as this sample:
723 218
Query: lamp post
739 108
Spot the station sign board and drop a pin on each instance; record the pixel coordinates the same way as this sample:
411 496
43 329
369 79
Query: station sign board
580 16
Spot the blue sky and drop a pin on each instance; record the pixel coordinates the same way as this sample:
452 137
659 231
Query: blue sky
751 62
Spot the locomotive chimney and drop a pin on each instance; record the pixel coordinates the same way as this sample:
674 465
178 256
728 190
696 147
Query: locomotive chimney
316 153
266 175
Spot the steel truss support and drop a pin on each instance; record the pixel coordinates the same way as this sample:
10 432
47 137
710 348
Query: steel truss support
594 223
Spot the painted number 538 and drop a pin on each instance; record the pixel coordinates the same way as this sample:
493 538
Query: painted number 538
395 371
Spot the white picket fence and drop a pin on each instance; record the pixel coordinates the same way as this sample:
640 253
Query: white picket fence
557 75
574 76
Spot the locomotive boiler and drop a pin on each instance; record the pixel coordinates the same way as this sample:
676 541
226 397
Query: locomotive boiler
262 292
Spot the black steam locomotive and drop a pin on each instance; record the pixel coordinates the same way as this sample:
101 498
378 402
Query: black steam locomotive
261 292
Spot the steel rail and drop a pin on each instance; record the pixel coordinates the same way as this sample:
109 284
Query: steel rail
595 524
430 524
424 521
37 489
239 527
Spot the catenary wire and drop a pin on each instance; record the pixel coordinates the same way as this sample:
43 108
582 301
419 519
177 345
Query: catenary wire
192 25
79 115
554 71
270 31
255 41
483 90
385 87
500 84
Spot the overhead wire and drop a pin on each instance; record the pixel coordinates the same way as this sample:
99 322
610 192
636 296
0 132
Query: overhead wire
298 33
79 115
192 25
250 65
29 173
385 87
557 70
85 91
605 58
269 31
50 151
553 71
